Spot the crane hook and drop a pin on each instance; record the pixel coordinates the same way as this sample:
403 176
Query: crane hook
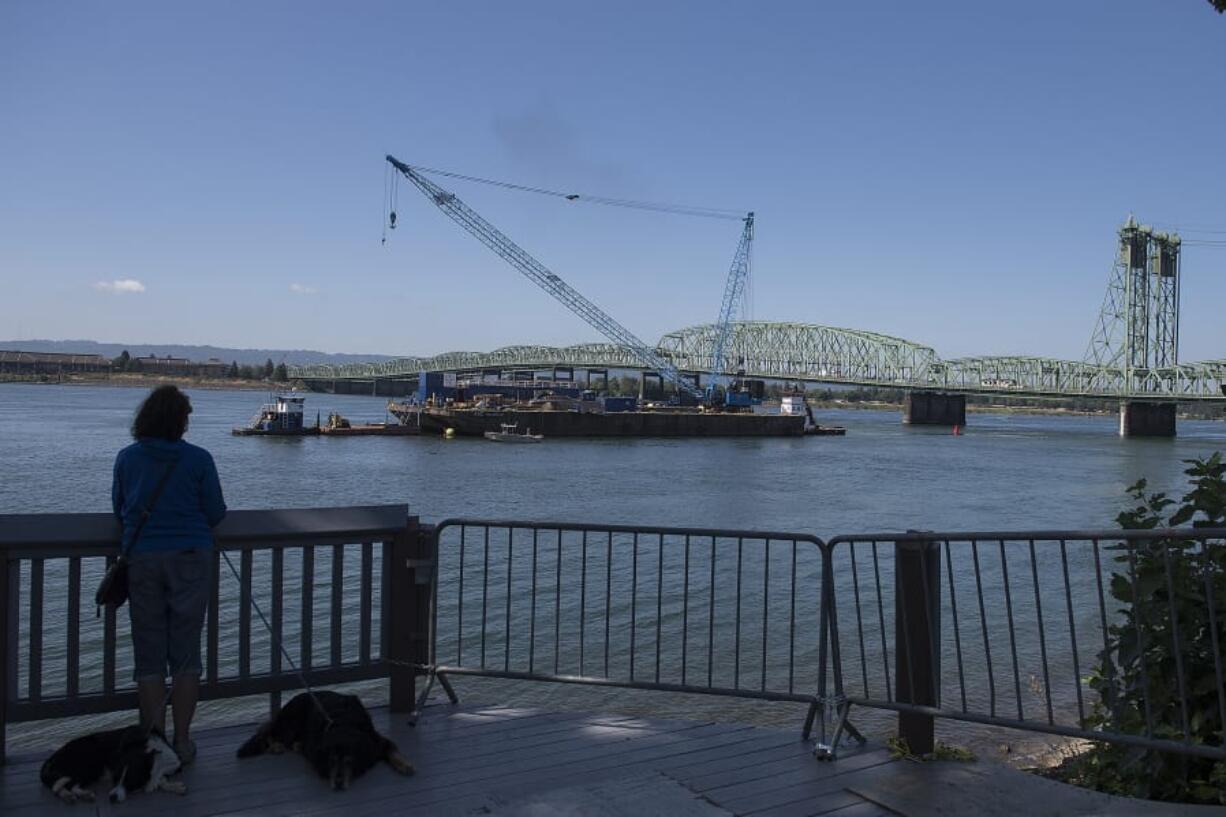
392 220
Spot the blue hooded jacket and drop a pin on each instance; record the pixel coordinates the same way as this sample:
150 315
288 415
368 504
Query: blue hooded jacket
190 504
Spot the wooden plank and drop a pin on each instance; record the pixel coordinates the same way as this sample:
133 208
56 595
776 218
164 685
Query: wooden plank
278 623
863 809
364 606
455 726
72 663
517 728
835 804
766 748
308 608
338 585
35 671
784 777
108 643
211 645
244 615
820 800
77 531
751 771
647 794
791 787
10 581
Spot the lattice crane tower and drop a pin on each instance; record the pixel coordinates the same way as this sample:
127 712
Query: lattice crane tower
1138 326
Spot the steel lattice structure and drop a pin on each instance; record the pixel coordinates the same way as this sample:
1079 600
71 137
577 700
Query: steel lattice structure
1138 325
824 354
800 351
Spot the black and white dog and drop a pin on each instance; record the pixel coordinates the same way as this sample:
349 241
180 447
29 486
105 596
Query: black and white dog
333 731
132 757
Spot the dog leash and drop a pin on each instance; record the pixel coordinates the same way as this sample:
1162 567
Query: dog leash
280 646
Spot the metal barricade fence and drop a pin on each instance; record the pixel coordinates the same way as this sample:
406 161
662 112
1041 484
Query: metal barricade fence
1036 630
720 612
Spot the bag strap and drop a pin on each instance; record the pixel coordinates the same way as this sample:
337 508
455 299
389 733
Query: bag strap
148 509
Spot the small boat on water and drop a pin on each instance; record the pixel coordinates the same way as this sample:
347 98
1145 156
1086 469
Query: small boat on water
793 403
281 416
510 435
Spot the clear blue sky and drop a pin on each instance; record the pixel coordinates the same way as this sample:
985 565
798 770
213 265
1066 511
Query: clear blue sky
952 173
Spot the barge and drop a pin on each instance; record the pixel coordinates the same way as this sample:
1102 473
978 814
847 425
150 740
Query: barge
475 422
477 409
339 426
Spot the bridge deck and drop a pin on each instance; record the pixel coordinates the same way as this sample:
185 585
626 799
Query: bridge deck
505 761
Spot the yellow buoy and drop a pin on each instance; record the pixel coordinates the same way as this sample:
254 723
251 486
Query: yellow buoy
449 434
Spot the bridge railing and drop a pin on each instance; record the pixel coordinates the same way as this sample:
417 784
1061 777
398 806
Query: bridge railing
1103 635
337 587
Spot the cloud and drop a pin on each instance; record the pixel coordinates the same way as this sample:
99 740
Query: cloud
120 286
302 289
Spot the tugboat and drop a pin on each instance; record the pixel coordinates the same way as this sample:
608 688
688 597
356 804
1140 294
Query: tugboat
510 435
282 416
793 403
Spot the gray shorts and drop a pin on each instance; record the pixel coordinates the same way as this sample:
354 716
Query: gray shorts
168 593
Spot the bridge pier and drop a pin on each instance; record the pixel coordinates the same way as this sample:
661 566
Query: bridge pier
1145 419
604 378
931 408
654 391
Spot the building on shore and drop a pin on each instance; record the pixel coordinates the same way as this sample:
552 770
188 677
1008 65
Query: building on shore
54 363
179 366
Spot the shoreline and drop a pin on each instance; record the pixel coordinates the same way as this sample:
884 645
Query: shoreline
147 381
135 381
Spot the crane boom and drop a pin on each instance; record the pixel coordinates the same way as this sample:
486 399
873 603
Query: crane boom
738 274
535 271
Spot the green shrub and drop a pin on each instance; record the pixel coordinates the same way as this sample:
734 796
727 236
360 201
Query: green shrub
1174 582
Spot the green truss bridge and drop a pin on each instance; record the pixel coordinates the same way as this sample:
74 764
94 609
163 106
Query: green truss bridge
822 354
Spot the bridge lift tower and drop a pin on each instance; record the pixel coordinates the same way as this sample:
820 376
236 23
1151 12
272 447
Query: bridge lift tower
1137 330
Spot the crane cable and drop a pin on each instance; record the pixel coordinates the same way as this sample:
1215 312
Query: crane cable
1202 236
659 207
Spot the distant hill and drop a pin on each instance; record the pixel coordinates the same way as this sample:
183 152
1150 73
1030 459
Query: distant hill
302 357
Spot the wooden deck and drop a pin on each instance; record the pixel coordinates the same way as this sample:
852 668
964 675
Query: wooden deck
508 761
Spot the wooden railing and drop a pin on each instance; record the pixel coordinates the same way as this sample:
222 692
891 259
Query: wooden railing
370 584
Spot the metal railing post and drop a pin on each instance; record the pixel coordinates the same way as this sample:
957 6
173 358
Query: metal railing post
409 574
917 640
8 645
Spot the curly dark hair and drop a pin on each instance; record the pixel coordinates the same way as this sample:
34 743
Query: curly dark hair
163 415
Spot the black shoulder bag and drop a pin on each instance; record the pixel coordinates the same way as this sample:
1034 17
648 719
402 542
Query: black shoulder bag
113 589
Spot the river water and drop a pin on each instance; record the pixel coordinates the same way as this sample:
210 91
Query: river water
1004 472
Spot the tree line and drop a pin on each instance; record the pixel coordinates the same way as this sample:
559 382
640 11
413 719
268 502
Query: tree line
277 373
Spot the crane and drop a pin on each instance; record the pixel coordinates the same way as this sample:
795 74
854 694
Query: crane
738 274
539 274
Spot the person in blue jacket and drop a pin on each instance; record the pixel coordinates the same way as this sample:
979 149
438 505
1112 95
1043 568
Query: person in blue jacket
170 563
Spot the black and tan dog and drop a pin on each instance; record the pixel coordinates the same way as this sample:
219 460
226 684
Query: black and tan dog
133 757
333 731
